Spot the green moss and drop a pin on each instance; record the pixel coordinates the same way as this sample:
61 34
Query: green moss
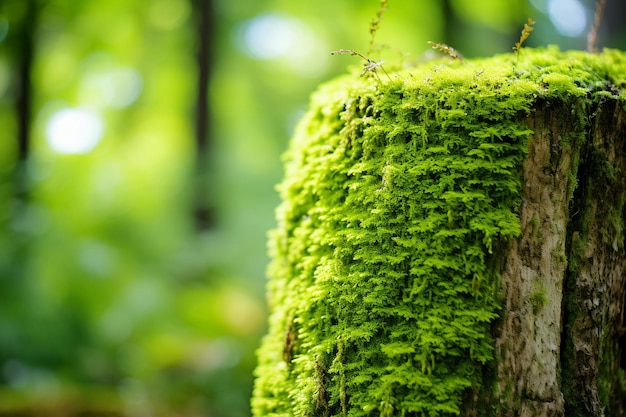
539 298
398 196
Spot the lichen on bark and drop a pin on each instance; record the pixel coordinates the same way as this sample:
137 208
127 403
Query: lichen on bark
419 258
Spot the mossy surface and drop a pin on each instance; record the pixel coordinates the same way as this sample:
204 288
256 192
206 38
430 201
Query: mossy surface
399 196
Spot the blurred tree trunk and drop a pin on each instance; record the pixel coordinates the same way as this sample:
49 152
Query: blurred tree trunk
203 210
16 285
453 27
22 48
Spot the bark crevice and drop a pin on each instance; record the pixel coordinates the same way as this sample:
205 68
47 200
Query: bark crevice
595 285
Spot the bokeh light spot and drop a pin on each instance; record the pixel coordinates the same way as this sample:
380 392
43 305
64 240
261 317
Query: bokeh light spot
568 17
274 36
103 84
220 353
271 36
74 131
122 86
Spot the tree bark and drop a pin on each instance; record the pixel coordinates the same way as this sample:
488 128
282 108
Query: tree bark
564 278
528 337
595 284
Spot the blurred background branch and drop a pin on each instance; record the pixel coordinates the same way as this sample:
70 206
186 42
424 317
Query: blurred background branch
119 119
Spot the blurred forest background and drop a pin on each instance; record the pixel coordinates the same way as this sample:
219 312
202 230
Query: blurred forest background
140 144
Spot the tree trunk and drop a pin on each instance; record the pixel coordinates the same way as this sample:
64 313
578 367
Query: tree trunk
22 48
564 277
203 207
451 242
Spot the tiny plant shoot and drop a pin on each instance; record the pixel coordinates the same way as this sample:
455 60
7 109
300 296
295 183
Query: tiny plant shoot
528 27
368 64
448 50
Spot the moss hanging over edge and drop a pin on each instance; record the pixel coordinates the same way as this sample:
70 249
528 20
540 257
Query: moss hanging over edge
399 198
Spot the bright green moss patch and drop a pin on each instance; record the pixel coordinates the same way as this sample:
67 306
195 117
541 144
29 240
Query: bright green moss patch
399 197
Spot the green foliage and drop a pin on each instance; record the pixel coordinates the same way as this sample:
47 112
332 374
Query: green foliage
539 298
398 198
109 302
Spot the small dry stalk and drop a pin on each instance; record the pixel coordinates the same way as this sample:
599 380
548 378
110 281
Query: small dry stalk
448 50
528 27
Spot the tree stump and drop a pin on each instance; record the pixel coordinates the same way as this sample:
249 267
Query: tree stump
451 242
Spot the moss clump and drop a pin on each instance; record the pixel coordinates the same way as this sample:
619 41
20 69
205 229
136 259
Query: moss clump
397 197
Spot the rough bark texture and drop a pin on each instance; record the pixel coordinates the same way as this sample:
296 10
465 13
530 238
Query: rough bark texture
596 279
564 280
529 336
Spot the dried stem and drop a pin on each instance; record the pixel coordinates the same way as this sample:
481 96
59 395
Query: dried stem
375 24
448 50
528 27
